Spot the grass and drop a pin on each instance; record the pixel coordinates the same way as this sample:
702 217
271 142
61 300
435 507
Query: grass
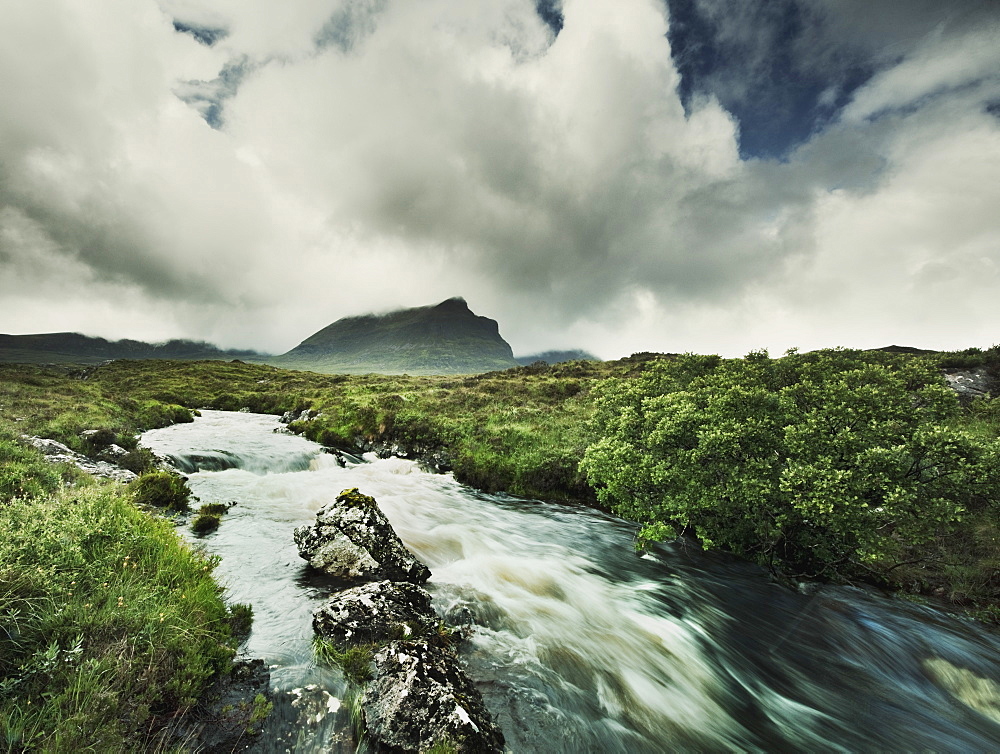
354 662
109 623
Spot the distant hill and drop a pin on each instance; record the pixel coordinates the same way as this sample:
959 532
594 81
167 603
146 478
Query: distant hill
904 349
73 348
556 357
447 338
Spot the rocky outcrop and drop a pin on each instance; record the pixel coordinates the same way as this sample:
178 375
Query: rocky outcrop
421 696
378 612
56 452
354 542
969 383
418 695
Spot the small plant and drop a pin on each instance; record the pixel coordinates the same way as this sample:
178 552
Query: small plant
240 619
139 460
356 499
261 709
442 746
161 489
445 636
213 509
354 662
205 522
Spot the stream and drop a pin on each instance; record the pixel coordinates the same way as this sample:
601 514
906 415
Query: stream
578 644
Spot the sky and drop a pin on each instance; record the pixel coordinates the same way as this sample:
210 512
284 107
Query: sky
716 176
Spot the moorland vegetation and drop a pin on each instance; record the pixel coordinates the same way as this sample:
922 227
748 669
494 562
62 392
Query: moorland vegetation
838 465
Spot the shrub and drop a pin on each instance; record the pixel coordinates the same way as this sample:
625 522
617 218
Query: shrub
99 440
213 509
154 415
824 464
205 522
240 619
162 489
139 460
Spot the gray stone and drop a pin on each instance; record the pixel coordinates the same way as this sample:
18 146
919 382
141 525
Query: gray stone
969 383
376 612
420 696
353 541
56 452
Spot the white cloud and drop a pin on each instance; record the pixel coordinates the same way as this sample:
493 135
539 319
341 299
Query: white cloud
460 149
938 66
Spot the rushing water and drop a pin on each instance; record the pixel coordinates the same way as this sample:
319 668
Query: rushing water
578 644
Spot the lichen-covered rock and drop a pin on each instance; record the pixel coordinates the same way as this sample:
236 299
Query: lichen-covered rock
353 541
420 696
376 612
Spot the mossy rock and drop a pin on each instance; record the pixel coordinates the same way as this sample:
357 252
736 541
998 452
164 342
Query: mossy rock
355 499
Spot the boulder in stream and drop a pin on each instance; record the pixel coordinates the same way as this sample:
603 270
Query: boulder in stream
375 613
353 541
420 696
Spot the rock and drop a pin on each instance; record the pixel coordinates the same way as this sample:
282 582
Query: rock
353 541
56 452
420 696
112 453
229 715
969 383
376 612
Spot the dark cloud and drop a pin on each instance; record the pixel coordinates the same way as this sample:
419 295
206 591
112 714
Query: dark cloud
208 36
350 23
550 11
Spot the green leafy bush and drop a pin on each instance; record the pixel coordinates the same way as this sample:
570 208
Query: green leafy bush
829 463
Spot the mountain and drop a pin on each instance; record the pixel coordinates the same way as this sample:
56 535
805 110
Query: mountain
443 339
556 357
74 348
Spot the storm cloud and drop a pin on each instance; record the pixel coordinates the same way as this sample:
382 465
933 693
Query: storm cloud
703 175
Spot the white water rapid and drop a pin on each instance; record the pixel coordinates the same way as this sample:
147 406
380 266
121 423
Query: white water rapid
578 644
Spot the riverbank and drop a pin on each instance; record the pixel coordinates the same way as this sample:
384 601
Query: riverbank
110 627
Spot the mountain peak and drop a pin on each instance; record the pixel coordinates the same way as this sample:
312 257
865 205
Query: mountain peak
455 302
444 338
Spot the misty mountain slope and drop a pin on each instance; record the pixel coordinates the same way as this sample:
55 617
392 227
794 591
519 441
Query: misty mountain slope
447 338
74 348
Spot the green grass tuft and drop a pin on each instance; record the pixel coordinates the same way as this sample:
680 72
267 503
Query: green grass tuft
354 662
161 489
